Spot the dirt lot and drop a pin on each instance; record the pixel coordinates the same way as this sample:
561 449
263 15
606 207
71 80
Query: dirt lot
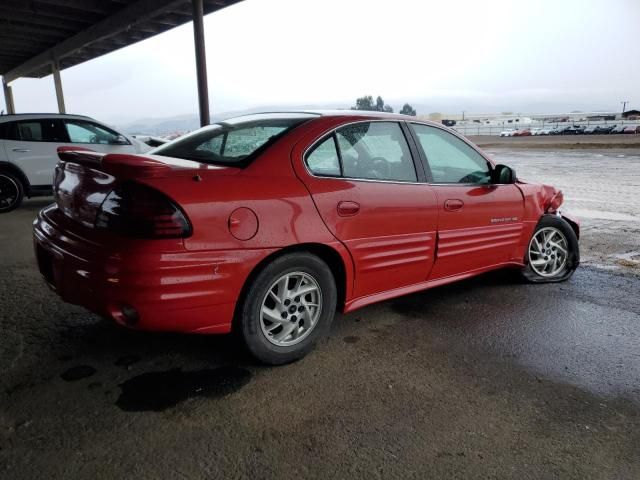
564 142
488 378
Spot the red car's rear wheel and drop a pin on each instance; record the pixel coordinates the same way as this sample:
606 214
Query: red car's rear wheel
288 306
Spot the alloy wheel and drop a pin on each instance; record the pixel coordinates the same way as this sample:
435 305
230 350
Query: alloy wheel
548 252
290 309
9 192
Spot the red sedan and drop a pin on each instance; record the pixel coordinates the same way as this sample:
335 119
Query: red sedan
269 223
525 132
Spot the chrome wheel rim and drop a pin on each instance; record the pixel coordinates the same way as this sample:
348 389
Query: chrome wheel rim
290 309
548 252
8 191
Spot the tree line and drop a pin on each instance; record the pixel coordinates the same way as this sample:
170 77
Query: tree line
367 103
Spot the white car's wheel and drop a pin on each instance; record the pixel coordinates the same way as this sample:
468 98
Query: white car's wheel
11 192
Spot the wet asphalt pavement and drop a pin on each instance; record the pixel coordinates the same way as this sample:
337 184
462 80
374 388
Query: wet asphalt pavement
487 378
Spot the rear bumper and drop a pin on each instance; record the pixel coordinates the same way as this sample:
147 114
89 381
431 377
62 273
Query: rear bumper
140 285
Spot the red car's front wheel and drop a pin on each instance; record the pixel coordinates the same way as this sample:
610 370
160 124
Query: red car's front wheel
553 253
288 306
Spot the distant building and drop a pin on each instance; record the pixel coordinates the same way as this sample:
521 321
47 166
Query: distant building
631 115
495 120
601 116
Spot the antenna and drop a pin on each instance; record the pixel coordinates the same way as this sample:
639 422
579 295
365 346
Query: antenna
624 105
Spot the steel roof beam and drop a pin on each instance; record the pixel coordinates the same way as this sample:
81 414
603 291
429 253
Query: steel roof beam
125 18
94 6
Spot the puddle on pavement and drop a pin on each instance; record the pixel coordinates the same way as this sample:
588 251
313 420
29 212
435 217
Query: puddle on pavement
77 373
158 391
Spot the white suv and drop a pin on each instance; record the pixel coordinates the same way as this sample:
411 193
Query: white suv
28 150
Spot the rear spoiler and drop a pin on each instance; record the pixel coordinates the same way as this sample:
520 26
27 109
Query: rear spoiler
121 165
81 155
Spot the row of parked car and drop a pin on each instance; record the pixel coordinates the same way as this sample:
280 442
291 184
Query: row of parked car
572 130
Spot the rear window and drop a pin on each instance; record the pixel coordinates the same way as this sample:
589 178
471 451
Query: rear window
233 143
8 131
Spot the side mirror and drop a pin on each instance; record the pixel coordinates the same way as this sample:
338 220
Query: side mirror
502 174
120 140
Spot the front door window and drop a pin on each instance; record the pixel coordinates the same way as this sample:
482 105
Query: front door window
87 132
451 160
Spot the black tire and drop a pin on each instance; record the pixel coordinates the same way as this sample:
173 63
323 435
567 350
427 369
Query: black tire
573 257
11 191
250 316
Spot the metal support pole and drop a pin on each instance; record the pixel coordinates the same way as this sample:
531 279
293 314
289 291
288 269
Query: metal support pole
55 68
201 62
8 97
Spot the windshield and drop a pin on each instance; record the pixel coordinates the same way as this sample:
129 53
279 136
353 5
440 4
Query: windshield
232 143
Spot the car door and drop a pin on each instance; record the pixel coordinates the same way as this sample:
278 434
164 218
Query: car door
479 223
31 146
364 182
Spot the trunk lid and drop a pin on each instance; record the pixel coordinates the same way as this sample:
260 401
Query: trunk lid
83 178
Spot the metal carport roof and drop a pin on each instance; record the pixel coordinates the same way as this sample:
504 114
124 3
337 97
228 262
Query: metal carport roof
41 37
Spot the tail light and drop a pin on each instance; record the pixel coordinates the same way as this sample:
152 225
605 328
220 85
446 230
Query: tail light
135 210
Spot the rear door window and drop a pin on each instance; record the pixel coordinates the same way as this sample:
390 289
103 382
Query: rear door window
364 150
376 151
323 160
43 130
9 131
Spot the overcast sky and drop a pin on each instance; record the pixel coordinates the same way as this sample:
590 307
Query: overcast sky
482 56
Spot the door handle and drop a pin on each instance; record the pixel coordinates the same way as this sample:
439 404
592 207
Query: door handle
453 204
348 209
21 150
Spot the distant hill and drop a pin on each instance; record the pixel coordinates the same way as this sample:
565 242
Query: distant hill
161 126
188 122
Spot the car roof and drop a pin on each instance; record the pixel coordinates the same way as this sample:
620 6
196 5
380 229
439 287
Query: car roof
361 114
34 116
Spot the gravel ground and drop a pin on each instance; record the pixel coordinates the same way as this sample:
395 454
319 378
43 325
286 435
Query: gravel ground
564 142
488 378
